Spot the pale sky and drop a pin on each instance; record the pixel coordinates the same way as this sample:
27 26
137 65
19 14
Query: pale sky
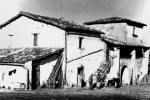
80 10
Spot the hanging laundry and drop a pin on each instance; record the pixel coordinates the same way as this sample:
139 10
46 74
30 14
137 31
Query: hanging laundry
10 73
14 71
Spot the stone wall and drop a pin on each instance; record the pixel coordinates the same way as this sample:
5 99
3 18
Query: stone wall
88 56
116 30
121 31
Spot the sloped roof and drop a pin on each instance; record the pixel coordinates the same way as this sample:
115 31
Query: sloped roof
111 40
114 20
5 51
28 54
58 22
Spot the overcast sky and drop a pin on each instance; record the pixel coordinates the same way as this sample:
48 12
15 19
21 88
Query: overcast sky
79 10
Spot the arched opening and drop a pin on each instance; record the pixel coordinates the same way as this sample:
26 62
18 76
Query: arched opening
125 75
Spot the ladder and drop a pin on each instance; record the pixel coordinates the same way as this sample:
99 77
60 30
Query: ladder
55 72
106 66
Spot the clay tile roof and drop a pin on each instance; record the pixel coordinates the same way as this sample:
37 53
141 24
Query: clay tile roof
111 40
58 22
114 20
5 51
27 54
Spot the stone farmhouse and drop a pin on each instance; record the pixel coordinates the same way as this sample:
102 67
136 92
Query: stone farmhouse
133 57
39 51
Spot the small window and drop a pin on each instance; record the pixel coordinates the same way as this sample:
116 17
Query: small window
80 42
134 35
35 41
3 75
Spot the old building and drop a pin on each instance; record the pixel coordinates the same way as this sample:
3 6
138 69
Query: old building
132 54
30 30
30 67
84 51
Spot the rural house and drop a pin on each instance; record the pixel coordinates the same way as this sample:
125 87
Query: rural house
133 55
27 30
84 51
29 67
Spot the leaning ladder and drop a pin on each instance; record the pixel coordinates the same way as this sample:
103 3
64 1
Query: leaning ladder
106 67
52 78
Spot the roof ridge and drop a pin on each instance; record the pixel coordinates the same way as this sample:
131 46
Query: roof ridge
113 19
61 23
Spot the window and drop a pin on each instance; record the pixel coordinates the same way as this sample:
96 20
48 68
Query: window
125 52
139 53
80 42
10 40
134 35
35 41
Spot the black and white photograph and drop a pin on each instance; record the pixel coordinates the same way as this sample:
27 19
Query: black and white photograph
74 50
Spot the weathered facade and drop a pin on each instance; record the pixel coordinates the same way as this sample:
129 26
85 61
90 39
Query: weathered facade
85 50
133 55
30 67
41 31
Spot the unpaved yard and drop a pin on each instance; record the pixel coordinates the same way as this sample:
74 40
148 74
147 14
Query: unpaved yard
141 92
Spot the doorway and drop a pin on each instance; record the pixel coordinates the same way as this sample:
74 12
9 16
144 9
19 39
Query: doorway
35 76
80 76
125 75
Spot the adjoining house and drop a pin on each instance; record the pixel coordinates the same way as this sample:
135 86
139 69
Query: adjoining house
31 30
132 54
85 49
30 67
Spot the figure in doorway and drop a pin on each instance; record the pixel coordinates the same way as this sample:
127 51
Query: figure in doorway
81 75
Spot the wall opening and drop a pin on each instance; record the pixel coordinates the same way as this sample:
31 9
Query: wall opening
80 42
80 75
125 75
35 76
35 40
125 52
139 53
10 40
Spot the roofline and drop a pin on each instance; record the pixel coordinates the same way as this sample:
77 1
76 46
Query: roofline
105 22
28 16
57 51
126 44
124 20
43 21
22 63
12 64
129 45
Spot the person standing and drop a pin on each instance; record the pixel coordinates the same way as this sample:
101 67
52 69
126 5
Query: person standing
98 77
91 81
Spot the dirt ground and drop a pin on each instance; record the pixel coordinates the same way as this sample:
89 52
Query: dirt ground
141 92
